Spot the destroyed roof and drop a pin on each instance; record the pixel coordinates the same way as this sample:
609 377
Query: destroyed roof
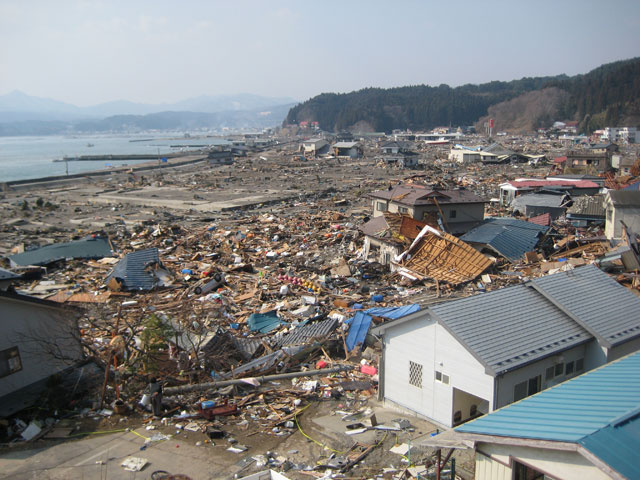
544 219
375 226
625 198
394 228
8 275
598 410
88 247
591 206
307 333
410 194
443 257
509 237
346 144
17 297
137 270
552 183
498 149
539 200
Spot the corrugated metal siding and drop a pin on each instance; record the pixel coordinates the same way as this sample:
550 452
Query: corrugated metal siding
488 469
597 300
510 327
572 410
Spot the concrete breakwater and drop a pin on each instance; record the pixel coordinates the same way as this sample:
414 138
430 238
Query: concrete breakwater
137 156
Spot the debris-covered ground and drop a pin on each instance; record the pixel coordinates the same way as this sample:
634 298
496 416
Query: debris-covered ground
236 287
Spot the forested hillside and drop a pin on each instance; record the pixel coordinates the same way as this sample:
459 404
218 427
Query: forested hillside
610 93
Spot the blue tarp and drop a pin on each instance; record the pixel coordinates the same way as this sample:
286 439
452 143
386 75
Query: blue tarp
358 331
361 322
264 322
393 312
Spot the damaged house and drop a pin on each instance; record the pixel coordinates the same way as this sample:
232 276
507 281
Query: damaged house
507 237
38 339
454 211
140 270
467 357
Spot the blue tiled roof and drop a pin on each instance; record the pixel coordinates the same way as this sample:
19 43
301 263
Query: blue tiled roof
510 237
600 410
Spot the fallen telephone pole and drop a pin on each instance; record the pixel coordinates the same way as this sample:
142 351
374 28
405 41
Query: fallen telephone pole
265 378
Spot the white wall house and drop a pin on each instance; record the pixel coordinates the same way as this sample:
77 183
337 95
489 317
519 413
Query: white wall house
621 206
38 339
462 358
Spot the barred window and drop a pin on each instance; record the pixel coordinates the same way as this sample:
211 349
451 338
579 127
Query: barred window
415 374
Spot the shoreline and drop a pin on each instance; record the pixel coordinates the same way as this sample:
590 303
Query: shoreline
27 184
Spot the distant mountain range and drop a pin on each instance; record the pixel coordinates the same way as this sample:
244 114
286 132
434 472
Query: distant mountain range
22 114
606 96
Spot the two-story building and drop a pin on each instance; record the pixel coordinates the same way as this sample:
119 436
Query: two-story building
454 211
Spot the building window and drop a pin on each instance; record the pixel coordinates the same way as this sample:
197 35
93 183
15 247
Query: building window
452 214
440 377
10 361
559 369
550 373
415 374
526 388
381 206
579 364
568 369
519 391
403 210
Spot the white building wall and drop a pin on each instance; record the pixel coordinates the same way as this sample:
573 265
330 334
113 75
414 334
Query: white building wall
613 227
426 343
556 463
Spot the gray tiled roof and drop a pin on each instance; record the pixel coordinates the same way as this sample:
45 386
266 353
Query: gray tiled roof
625 198
596 301
513 326
510 327
539 200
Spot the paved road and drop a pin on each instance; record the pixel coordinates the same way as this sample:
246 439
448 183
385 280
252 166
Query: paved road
100 457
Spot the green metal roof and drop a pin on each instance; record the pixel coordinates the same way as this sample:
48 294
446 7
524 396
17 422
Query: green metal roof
599 410
88 247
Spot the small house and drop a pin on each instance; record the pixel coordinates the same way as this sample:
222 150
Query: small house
466 357
621 206
347 149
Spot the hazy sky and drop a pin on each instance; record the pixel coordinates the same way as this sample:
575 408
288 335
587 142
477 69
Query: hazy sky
87 52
